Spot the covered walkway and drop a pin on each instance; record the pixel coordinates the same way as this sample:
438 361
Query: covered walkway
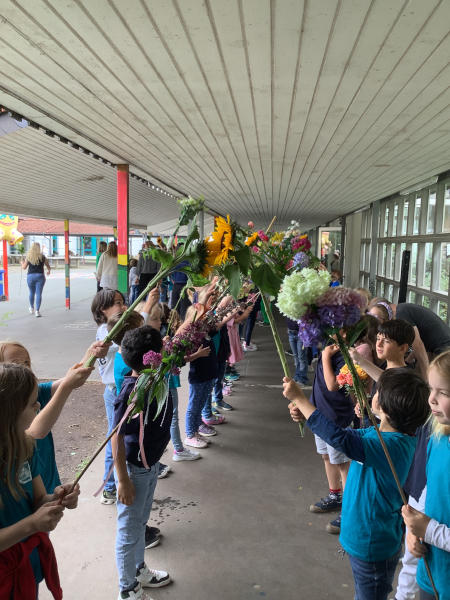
236 524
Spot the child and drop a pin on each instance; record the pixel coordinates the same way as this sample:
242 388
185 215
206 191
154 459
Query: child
338 407
133 280
27 513
394 339
52 396
299 352
135 482
433 527
371 531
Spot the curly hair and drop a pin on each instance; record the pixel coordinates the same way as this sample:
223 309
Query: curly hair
138 342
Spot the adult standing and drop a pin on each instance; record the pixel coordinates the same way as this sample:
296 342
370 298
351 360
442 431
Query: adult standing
101 249
146 267
35 262
107 267
432 335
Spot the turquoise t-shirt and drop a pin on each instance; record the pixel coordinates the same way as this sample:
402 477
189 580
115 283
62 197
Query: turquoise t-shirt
437 506
371 526
12 510
45 447
121 370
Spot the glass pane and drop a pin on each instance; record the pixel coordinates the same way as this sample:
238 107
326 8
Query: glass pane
431 212
426 301
386 221
413 265
383 260
393 251
417 207
443 309
428 265
412 297
395 220
362 257
390 291
405 217
330 242
381 288
446 223
445 264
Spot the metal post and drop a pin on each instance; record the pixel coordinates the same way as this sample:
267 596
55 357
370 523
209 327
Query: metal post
5 268
67 262
374 248
122 227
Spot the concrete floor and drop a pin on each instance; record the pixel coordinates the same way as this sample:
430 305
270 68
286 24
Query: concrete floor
236 523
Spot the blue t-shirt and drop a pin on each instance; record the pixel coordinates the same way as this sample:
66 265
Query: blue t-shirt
12 510
120 371
45 446
437 506
336 406
372 524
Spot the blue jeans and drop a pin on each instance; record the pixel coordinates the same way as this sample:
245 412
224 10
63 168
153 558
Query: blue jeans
133 294
109 396
218 382
36 282
174 426
300 357
131 522
373 580
199 394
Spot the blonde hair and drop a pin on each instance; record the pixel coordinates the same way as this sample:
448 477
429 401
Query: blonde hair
34 254
17 383
442 364
5 343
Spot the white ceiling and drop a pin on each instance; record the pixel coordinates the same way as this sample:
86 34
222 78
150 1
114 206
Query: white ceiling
303 109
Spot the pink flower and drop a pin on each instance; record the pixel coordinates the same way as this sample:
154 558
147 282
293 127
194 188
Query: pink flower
152 359
250 224
289 265
301 243
262 236
255 249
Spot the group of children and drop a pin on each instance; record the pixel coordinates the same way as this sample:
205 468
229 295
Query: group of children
372 519
370 523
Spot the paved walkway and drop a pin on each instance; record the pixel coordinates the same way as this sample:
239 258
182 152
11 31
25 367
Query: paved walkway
236 523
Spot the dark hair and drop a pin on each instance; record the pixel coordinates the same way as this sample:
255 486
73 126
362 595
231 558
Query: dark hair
103 299
369 334
133 262
398 331
403 397
133 320
138 342
102 246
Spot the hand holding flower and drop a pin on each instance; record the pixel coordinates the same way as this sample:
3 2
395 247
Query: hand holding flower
68 498
415 521
414 545
302 408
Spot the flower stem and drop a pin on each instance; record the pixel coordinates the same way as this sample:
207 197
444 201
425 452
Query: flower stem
278 344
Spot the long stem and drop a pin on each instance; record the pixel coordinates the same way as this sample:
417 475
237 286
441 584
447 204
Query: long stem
279 345
362 399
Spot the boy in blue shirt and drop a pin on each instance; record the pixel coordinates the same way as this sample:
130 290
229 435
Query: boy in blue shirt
135 483
371 530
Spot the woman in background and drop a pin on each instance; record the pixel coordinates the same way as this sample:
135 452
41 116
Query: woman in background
107 267
35 262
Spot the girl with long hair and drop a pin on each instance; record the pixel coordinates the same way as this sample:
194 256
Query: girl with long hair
107 267
35 262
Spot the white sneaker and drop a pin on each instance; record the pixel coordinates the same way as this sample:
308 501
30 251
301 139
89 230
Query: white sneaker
151 578
249 347
30 310
185 454
136 594
38 314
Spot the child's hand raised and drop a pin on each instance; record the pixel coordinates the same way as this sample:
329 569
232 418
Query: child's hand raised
47 516
76 376
415 521
330 350
291 389
68 498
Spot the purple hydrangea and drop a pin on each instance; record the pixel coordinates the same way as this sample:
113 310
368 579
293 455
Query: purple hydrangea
310 329
301 260
339 315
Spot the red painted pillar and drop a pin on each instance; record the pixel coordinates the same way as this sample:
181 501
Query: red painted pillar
5 268
67 262
122 227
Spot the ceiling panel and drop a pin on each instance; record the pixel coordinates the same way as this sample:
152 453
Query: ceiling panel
302 109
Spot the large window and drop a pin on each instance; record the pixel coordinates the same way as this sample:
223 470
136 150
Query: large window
418 222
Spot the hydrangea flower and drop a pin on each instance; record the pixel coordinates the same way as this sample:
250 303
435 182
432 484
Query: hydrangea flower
300 289
301 260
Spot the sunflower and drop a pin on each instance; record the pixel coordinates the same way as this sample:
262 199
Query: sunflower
220 242
252 239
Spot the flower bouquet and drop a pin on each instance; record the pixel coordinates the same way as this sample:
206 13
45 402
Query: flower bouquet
345 379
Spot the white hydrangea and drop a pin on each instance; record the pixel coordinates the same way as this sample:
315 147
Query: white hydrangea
300 289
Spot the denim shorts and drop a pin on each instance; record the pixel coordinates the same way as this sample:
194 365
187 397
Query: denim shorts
336 457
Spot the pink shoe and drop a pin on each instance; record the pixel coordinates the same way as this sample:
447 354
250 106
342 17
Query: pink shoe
195 442
214 420
226 391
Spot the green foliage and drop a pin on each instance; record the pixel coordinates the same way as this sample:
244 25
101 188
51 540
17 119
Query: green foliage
233 274
355 331
264 277
161 256
243 259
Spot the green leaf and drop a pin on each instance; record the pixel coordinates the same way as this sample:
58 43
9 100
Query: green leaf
355 331
194 235
243 259
195 279
266 279
233 274
161 256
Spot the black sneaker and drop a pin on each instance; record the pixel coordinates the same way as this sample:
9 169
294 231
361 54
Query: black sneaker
152 537
334 526
327 504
